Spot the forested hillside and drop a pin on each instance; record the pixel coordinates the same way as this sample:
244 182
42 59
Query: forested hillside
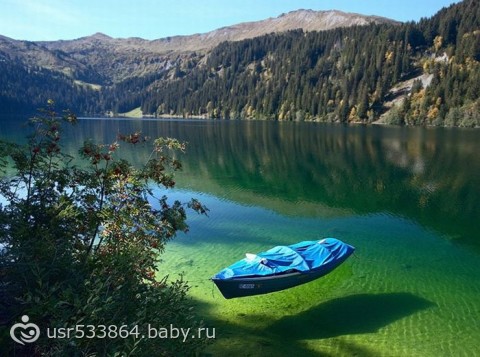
339 75
25 89
417 73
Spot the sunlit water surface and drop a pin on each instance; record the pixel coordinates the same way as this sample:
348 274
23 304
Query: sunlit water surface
407 199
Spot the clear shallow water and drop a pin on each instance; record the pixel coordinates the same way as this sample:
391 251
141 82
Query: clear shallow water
407 199
406 292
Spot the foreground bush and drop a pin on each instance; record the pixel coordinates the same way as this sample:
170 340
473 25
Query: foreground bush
81 245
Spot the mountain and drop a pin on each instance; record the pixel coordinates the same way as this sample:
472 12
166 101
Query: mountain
135 57
86 66
425 73
304 65
307 20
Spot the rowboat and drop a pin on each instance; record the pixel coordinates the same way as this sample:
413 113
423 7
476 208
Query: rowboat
281 267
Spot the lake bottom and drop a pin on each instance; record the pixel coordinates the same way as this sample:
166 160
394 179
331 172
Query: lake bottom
406 291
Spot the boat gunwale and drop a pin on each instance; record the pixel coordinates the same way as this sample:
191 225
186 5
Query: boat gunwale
271 276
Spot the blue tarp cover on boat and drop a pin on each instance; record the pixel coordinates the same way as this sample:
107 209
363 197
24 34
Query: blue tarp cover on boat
302 257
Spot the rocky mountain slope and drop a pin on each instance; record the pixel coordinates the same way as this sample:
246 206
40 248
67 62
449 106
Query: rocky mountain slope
103 60
307 20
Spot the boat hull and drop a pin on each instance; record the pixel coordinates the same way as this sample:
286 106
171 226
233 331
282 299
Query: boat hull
249 286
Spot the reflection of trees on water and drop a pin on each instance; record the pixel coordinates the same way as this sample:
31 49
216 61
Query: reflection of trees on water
430 176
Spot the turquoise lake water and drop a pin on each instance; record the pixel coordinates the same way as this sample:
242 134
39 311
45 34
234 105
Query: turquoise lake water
406 198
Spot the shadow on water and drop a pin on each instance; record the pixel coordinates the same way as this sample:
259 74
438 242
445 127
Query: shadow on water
354 314
260 335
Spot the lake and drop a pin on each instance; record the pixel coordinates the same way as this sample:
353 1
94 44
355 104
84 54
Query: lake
406 198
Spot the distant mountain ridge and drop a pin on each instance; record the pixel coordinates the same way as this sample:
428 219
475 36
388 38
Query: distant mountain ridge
303 65
307 20
138 57
103 60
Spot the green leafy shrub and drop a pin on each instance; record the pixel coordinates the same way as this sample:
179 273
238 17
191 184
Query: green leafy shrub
82 244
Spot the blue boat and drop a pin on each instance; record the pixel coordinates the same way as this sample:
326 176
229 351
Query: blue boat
281 267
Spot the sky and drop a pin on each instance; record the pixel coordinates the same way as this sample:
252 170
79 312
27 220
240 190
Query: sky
40 20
